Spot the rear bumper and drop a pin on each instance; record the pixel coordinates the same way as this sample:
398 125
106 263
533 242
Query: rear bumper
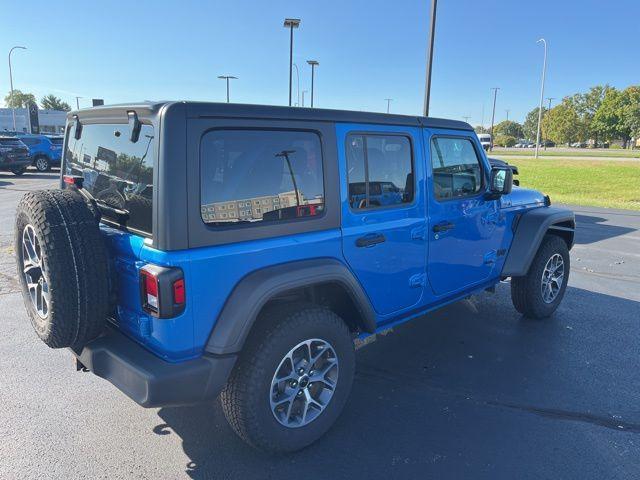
151 381
7 165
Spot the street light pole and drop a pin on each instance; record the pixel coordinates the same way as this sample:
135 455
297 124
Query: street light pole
13 108
291 23
493 115
544 73
227 78
432 33
313 63
389 100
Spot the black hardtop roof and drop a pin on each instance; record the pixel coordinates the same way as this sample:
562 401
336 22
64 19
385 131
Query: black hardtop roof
239 110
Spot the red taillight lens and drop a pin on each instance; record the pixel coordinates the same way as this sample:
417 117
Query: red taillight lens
150 290
162 290
178 292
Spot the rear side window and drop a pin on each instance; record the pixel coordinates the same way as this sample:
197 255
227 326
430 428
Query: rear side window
456 168
379 170
30 141
116 171
256 176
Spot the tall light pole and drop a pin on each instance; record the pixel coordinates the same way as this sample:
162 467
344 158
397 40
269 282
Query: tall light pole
291 23
297 85
303 92
227 78
493 115
544 73
388 100
313 64
432 33
13 108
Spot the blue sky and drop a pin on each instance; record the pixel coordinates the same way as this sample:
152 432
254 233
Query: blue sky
368 51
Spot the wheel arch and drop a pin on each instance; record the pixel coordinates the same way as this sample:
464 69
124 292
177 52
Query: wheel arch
323 281
529 230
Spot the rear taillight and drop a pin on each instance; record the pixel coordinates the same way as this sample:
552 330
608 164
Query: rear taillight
162 291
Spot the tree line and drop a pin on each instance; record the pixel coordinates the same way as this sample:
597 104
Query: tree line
48 102
602 114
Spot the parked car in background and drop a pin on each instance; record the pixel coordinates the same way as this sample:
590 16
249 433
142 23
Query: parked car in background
485 140
45 152
578 145
14 155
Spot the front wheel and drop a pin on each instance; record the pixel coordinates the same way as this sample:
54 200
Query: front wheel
43 164
539 293
18 170
292 379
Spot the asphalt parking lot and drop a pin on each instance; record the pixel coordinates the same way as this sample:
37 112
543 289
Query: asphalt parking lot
472 391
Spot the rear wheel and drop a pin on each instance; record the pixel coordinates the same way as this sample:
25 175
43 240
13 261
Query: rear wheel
539 293
42 163
292 379
18 170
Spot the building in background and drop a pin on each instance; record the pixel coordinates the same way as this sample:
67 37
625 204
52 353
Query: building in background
51 121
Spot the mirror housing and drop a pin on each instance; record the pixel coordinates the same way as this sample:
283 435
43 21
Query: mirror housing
500 182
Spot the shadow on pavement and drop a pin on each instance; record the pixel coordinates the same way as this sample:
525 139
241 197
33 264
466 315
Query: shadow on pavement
471 391
591 229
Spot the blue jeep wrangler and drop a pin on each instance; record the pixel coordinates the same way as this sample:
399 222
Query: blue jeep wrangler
199 249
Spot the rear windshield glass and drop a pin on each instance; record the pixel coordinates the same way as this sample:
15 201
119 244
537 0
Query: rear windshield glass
117 172
252 176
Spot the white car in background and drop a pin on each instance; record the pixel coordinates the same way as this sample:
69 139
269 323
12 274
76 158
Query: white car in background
485 140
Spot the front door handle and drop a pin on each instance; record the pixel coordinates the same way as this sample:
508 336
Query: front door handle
443 227
370 240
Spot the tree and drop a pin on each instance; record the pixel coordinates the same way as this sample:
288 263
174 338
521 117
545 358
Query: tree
617 116
562 124
19 99
530 125
505 140
509 128
481 129
587 104
51 102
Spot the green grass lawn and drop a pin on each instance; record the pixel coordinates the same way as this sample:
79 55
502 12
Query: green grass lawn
577 152
598 183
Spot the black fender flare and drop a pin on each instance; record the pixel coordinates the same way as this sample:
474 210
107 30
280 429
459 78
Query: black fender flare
530 229
252 292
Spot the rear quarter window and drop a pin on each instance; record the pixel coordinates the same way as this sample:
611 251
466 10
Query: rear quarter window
259 176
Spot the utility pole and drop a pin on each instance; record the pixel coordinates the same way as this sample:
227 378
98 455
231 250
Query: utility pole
432 33
466 119
314 64
291 23
388 100
544 73
493 114
548 109
227 78
13 108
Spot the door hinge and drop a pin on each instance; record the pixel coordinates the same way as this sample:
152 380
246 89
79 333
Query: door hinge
418 280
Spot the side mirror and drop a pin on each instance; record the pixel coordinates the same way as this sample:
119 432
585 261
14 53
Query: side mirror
501 181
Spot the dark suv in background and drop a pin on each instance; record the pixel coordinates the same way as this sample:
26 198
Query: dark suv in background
14 155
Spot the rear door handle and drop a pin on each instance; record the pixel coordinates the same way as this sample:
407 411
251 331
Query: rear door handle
443 227
370 240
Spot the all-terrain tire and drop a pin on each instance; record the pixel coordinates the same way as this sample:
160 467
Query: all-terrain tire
246 398
73 266
526 291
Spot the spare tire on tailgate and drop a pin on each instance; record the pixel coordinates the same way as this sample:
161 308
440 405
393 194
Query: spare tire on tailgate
62 267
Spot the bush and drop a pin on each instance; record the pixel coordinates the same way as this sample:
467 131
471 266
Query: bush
505 141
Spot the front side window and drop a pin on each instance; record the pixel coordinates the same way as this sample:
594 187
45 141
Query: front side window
117 172
456 168
267 175
379 170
